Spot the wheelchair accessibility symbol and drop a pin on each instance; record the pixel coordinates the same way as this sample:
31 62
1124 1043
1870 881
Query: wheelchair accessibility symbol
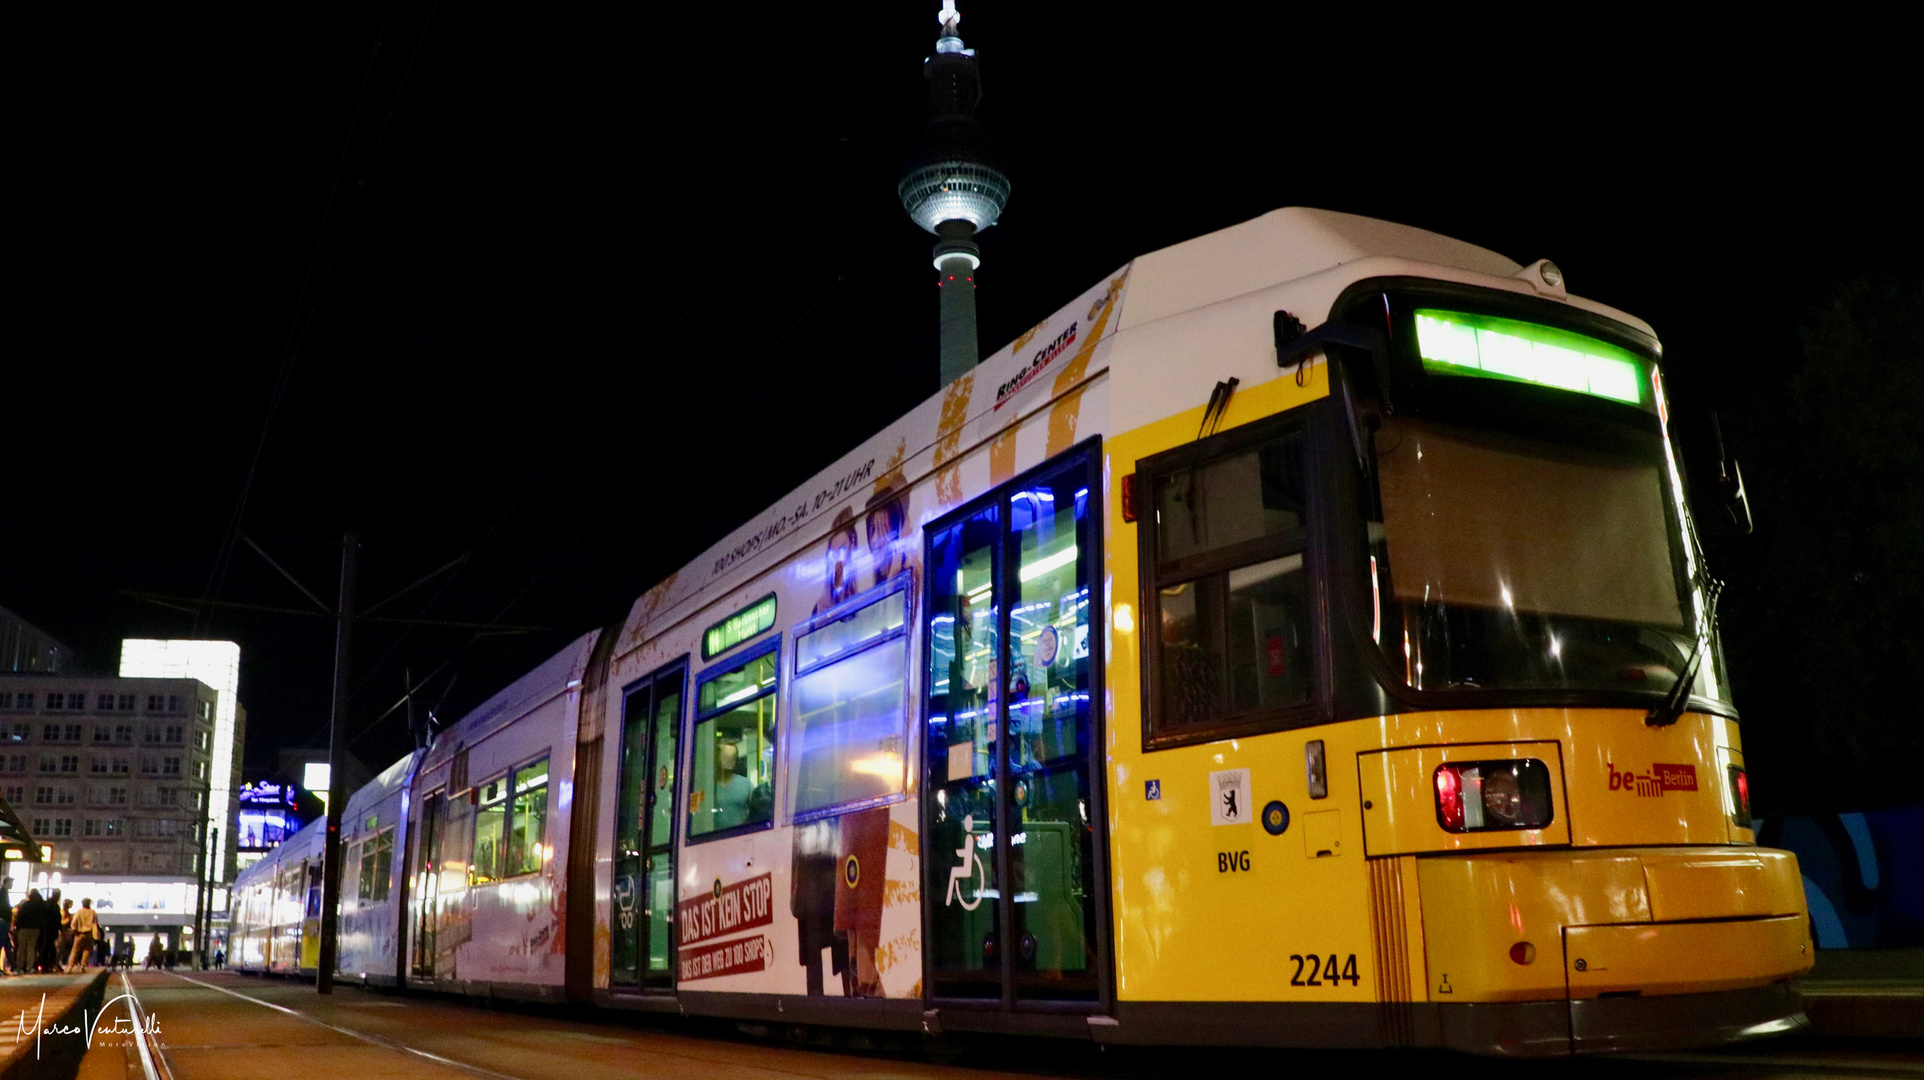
972 867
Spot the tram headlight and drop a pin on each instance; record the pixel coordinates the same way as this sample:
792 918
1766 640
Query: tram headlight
1502 797
1480 796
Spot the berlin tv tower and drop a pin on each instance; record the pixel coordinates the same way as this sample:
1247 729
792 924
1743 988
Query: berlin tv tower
950 189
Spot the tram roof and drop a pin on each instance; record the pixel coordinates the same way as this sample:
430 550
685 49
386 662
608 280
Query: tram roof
374 791
557 675
1293 244
1284 245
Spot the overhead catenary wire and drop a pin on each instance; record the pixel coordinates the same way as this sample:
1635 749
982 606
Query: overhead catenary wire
606 400
414 688
308 300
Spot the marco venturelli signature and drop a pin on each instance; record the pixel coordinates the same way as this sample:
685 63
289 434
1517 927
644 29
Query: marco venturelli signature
91 1027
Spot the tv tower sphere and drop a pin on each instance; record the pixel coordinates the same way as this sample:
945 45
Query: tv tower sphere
954 191
948 180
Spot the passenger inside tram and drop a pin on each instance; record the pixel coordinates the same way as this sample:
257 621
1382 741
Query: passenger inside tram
731 787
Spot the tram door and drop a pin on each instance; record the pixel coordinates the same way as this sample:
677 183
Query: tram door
311 918
642 907
1012 813
427 885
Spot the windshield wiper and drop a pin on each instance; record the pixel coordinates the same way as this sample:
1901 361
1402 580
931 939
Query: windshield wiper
1671 709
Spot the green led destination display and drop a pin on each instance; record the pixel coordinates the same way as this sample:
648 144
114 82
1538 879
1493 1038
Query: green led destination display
1484 346
739 627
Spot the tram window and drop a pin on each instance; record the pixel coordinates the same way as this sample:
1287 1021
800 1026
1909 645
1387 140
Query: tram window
491 813
527 821
732 756
1227 591
377 862
1229 501
510 827
458 836
850 722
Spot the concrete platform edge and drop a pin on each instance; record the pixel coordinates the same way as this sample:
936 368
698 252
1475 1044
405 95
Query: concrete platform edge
58 1056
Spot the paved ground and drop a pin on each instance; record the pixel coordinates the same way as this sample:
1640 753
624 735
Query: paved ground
215 1026
24 993
1867 992
28 1004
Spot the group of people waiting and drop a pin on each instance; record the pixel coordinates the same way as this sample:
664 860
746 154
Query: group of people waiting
48 934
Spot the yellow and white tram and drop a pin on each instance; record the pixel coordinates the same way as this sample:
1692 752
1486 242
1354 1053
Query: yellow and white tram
1180 675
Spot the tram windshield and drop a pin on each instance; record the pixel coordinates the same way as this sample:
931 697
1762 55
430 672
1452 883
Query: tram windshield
1514 552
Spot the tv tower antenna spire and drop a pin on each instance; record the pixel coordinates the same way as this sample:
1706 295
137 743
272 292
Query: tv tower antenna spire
950 188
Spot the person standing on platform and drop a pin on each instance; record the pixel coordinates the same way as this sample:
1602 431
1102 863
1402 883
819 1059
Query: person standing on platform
63 939
7 953
85 927
49 931
26 930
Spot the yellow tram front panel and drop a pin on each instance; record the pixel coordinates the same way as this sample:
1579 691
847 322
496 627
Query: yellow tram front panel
1631 783
1208 912
1684 958
1479 910
1644 837
1694 884
1513 926
1621 781
1399 801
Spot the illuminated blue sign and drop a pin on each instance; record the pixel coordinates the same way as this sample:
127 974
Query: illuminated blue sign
267 793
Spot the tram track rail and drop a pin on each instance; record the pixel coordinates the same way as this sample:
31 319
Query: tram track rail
381 1041
1790 1059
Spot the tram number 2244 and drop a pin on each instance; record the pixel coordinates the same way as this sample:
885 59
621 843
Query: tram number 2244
1323 973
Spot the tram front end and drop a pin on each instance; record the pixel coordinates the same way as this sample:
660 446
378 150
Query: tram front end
1588 874
1441 632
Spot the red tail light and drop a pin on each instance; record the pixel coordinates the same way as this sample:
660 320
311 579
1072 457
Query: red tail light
1449 798
1739 797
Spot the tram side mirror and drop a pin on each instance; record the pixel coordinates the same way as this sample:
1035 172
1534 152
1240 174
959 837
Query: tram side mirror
1359 370
1362 349
1723 504
1731 515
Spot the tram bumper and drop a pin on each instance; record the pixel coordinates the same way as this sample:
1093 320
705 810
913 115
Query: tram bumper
1605 1025
1575 951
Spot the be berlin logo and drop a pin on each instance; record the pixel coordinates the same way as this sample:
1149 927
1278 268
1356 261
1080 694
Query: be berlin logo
89 1030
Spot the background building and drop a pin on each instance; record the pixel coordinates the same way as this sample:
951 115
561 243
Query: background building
216 663
114 776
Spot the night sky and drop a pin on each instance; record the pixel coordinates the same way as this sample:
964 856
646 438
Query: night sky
575 293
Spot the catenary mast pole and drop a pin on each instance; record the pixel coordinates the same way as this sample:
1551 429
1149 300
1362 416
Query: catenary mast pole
202 892
336 747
